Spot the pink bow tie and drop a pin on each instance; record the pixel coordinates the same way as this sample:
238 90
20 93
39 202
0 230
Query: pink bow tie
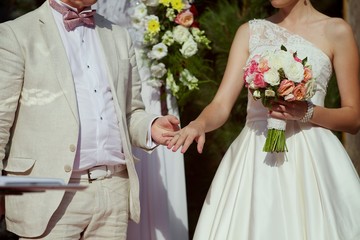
73 19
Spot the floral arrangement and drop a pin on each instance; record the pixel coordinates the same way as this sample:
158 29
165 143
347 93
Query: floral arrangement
274 75
171 38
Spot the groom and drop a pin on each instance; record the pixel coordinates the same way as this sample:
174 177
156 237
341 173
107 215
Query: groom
70 108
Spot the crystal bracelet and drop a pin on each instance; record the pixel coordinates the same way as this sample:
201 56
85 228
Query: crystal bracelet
309 112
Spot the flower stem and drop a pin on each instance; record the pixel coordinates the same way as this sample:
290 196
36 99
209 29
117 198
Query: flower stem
275 141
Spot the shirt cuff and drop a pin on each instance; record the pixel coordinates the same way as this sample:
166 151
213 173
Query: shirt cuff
149 142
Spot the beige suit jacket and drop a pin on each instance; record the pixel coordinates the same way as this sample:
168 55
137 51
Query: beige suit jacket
39 115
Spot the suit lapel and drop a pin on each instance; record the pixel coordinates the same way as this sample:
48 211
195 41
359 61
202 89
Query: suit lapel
110 54
107 41
58 57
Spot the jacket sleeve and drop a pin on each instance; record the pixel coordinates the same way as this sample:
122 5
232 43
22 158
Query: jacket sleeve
138 120
11 81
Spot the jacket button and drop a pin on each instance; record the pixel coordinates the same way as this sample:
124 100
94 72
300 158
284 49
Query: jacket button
67 168
72 148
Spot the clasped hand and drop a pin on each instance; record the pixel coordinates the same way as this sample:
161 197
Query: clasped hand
185 137
163 126
294 110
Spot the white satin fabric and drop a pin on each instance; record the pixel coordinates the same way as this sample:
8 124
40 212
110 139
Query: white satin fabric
161 173
312 192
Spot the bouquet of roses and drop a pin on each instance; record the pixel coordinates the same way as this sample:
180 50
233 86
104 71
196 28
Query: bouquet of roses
274 75
171 38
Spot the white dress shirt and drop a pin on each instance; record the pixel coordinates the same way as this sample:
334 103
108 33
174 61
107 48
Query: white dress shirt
99 139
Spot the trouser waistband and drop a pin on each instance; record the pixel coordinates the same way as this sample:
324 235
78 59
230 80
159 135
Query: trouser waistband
98 172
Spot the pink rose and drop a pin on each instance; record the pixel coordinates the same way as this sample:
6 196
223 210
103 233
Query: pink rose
299 92
307 74
286 87
185 18
253 66
263 66
259 80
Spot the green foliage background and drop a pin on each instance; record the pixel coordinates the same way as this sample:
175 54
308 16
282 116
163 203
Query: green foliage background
220 19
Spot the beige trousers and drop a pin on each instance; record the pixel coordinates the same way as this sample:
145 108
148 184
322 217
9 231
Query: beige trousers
99 212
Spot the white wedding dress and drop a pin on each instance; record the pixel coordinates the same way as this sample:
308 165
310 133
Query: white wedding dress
312 192
161 173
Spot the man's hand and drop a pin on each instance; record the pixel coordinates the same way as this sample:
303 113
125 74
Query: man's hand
163 125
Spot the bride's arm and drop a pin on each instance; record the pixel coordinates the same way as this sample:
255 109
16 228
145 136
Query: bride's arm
217 112
346 66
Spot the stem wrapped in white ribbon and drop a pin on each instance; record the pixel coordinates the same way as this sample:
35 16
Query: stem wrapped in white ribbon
275 139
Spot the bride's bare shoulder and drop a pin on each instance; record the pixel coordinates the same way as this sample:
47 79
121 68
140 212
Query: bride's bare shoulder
337 28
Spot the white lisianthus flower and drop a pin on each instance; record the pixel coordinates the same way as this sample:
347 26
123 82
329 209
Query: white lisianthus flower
188 79
158 70
250 80
168 38
181 34
137 23
158 51
272 77
140 11
294 71
189 48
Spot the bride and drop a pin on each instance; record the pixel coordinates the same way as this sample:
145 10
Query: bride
311 191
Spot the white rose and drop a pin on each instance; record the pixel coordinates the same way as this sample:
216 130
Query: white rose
294 71
158 70
272 77
189 48
158 51
181 34
249 78
279 59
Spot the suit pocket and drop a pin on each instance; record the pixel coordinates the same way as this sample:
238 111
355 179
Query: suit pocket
19 165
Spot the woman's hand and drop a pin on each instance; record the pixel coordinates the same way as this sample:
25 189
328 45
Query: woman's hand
185 137
294 110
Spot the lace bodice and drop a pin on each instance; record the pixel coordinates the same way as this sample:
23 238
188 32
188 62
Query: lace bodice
265 35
